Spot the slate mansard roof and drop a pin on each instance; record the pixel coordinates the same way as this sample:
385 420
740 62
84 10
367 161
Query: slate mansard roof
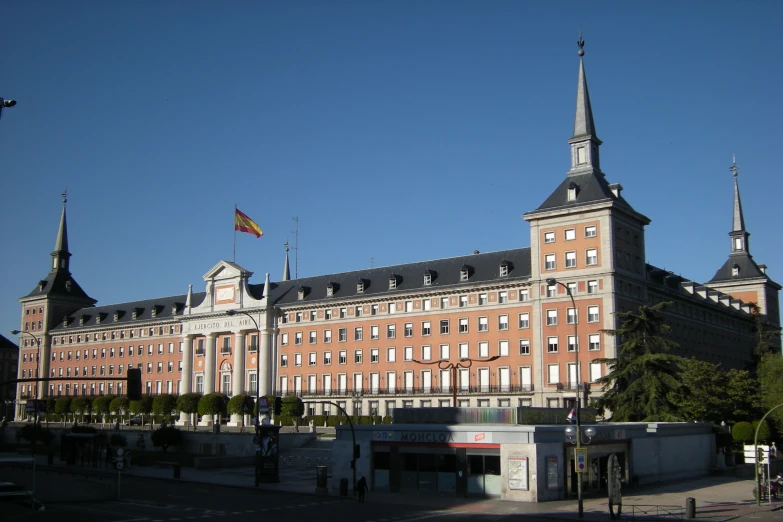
445 273
748 269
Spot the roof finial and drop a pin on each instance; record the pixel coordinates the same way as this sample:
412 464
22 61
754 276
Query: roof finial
581 44
286 246
734 168
65 195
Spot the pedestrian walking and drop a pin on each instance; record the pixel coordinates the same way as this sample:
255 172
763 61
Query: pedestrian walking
362 488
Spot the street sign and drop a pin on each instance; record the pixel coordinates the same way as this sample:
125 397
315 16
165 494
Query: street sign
750 454
120 465
263 406
581 460
120 452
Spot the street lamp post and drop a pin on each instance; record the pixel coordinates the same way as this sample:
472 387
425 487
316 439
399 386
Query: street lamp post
465 362
578 436
5 103
36 420
258 379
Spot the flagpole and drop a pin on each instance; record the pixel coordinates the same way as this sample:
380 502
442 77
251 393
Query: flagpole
234 259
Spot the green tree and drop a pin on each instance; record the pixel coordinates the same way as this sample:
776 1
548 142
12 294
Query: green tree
100 405
769 372
292 407
212 404
188 403
80 405
164 405
743 432
642 377
236 405
50 404
708 394
120 406
62 407
166 436
765 434
141 407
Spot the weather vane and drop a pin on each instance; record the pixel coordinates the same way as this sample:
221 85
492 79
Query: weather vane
581 44
734 168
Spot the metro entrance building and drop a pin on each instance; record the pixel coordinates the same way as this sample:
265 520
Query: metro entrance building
358 338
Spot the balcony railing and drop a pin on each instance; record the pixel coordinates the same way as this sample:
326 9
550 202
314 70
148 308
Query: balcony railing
494 389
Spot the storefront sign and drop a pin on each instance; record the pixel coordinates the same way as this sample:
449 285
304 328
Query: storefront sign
442 437
517 473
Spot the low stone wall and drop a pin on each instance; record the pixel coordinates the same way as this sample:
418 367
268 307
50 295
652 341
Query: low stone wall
57 486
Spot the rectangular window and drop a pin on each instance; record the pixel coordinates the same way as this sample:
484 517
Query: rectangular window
551 344
409 353
571 317
327 336
426 328
483 349
549 237
595 371
426 353
591 256
391 331
327 358
549 262
313 337
297 359
284 361
524 295
408 329
343 357
572 344
408 306
343 313
482 299
463 325
595 342
374 309
572 288
328 314
374 355
391 354
502 322
570 234
590 231
444 326
503 348
463 301
463 350
312 315
298 338
311 359
592 314
551 317
357 333
298 317
444 351
483 324
426 305
592 287
444 302
358 312
553 374
284 339
570 259
342 335
524 347
374 333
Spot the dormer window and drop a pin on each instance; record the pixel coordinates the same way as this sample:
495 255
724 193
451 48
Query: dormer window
135 313
68 285
97 321
393 282
41 285
360 287
427 279
572 191
116 316
505 268
735 270
81 320
302 293
154 310
331 288
174 309
65 321
465 273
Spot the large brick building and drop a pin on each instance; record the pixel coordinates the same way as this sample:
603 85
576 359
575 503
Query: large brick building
364 339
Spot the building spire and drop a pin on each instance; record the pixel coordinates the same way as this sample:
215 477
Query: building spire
584 142
60 255
738 234
286 269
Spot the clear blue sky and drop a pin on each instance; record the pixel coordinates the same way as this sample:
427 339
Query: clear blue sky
395 131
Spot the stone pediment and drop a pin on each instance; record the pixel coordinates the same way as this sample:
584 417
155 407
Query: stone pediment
226 288
226 270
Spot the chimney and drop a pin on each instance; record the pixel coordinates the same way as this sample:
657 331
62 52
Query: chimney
616 189
763 269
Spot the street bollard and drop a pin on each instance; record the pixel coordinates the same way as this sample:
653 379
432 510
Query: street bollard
690 507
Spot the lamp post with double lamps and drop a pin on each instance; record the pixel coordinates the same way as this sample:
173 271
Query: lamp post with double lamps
578 435
465 362
258 378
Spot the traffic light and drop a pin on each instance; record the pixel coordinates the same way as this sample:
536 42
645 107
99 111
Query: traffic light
134 384
278 406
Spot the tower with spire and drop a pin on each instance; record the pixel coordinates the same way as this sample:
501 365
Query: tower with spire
54 297
740 276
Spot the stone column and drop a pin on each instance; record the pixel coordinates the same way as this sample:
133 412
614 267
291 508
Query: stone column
265 363
187 374
42 387
238 377
209 364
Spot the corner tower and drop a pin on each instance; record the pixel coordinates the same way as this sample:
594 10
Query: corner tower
54 297
740 276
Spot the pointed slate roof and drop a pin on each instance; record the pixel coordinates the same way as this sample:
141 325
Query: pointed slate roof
748 269
590 188
61 243
286 269
584 126
738 223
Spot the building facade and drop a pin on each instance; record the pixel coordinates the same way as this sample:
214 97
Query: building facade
500 327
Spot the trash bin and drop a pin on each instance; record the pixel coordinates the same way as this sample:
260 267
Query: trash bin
690 507
343 487
320 478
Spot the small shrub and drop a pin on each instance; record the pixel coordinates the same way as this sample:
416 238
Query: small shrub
742 432
167 436
765 434
387 419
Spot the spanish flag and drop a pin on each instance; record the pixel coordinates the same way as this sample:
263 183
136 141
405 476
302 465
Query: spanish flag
245 224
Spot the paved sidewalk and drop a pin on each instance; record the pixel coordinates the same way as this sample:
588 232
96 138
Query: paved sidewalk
717 499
